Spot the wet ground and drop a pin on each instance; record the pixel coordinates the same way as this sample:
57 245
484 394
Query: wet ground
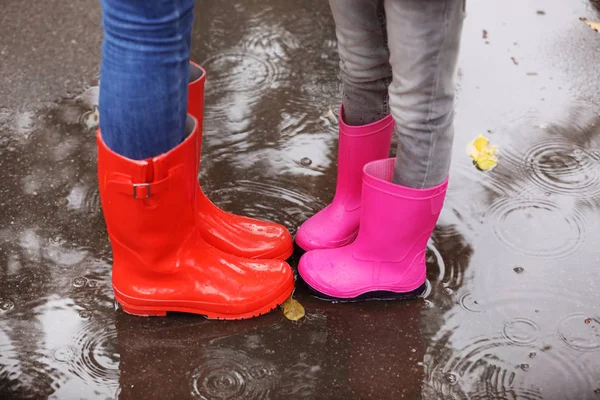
514 307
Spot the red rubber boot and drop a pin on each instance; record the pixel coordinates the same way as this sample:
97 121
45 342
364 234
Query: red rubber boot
234 234
160 261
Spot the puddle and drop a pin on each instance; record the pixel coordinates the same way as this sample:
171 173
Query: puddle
512 309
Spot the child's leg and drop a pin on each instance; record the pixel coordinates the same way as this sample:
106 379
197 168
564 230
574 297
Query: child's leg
365 71
365 128
424 41
144 75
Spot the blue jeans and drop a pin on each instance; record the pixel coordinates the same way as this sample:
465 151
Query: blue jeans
144 75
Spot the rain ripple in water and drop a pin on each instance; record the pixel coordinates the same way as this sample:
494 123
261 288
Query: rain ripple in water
268 201
537 227
559 166
227 374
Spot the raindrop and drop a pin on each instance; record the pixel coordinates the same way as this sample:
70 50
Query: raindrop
56 240
447 291
450 378
79 282
6 305
467 302
85 314
64 354
518 269
532 354
524 367
306 161
259 372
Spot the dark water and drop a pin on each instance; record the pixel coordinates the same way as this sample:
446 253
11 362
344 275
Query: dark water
513 311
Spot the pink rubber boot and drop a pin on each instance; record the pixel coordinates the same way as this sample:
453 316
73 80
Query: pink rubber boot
337 224
387 259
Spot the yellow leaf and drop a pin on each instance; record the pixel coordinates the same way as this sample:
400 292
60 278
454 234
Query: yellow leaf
292 309
481 143
594 25
483 155
486 162
472 150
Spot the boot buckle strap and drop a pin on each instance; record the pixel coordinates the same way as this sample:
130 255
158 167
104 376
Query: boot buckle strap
144 190
141 185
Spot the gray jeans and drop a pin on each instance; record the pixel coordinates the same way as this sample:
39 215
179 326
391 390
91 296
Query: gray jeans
400 57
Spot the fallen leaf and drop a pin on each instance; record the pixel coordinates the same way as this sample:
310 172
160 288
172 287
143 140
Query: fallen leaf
593 24
514 60
483 155
588 321
292 309
485 34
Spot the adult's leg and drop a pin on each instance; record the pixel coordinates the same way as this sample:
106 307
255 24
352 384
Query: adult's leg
144 75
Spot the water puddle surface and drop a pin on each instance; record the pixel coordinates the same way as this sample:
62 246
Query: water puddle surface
512 309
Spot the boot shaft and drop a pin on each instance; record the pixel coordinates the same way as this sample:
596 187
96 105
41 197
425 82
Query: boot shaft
357 146
196 102
196 92
396 221
148 205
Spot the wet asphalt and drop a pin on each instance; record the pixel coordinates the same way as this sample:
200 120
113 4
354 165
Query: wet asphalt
514 306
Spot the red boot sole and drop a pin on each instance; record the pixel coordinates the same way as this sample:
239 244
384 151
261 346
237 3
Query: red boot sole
161 310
